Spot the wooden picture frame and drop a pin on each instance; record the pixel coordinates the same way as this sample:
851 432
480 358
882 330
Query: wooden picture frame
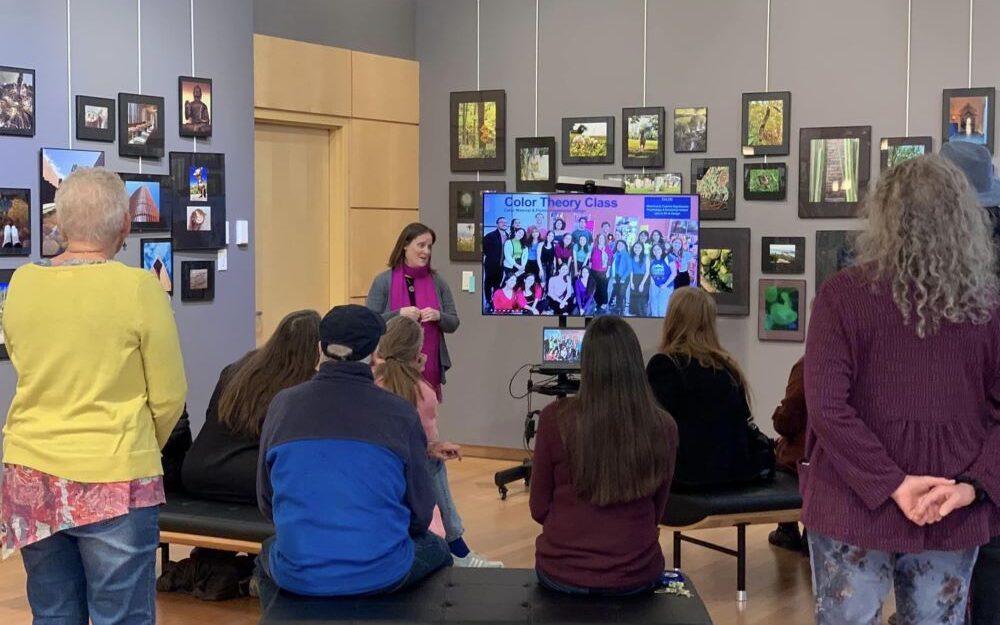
718 199
100 114
834 169
199 200
536 159
761 111
194 120
729 288
15 208
141 125
157 256
781 310
640 125
895 150
669 183
765 182
834 251
468 151
959 123
775 257
197 280
150 201
54 165
581 140
18 110
691 129
465 202
5 276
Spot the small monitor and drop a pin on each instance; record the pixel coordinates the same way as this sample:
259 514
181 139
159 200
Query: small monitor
562 347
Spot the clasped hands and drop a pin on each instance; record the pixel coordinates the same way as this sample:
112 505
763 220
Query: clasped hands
421 314
925 500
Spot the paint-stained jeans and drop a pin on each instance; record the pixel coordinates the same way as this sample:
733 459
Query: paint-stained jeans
851 584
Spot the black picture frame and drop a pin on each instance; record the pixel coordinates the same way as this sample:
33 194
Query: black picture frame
54 165
752 193
690 129
465 202
186 111
497 162
753 144
15 204
951 128
828 199
19 123
189 197
148 263
667 183
547 148
657 157
714 208
776 261
88 133
157 201
5 276
200 288
887 145
765 307
834 251
146 137
572 124
736 301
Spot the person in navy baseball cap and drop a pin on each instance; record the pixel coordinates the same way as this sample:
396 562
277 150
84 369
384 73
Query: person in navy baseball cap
350 332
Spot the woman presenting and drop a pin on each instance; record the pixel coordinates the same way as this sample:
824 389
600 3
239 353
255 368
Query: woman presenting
412 289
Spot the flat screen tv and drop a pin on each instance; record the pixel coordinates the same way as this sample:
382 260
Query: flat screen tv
583 255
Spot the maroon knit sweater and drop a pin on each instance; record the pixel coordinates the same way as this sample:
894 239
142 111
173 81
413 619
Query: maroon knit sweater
883 404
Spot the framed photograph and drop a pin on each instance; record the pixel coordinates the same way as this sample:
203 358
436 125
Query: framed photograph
895 150
642 136
17 101
834 251
536 163
198 183
140 125
764 181
649 182
149 201
95 119
479 130
15 219
5 276
714 180
834 166
767 123
195 99
158 259
969 115
465 201
782 310
691 129
724 259
56 164
588 140
783 255
197 280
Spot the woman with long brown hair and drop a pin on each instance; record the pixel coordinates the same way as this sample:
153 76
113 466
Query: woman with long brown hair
705 390
601 473
222 463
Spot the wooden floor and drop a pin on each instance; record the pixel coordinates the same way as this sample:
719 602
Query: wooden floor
778 581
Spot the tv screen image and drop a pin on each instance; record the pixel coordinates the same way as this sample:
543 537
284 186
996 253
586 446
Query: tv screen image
587 255
562 346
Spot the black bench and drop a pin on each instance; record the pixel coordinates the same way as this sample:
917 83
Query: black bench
494 596
211 524
776 502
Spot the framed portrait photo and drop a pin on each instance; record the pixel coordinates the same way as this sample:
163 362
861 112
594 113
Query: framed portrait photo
5 276
834 167
140 125
95 119
465 201
767 123
781 310
691 129
765 182
158 259
199 200
724 268
195 99
783 255
588 140
536 164
479 130
714 180
969 115
56 164
17 101
150 201
197 280
15 222
642 136
834 251
895 150
649 182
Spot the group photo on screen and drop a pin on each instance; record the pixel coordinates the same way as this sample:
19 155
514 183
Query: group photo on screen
587 255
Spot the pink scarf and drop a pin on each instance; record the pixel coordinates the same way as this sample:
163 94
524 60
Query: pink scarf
426 297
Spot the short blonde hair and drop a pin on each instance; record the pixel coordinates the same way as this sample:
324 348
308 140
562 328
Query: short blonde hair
91 205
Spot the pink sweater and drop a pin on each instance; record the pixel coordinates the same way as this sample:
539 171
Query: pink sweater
427 408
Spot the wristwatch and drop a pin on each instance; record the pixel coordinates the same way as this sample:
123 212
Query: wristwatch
974 483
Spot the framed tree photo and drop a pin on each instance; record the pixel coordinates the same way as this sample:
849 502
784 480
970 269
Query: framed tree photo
834 251
5 276
764 181
197 280
642 136
536 164
150 201
724 268
195 98
15 222
140 125
588 140
895 150
783 255
782 310
969 115
17 101
714 180
834 167
479 130
199 200
95 119
691 129
767 123
465 201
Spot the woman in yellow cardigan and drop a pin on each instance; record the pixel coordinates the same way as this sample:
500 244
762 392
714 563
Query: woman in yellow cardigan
100 386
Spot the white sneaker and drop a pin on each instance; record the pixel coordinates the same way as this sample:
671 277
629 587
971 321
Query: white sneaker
476 561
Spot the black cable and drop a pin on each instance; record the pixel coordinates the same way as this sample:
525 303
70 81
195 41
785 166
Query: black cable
510 385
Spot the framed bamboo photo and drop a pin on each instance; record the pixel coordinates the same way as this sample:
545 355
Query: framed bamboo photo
536 164
479 130
767 123
714 180
969 115
588 140
642 136
834 167
766 182
895 150
783 255
724 268
465 201
782 310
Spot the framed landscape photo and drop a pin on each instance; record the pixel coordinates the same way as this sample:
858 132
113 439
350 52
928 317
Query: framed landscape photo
465 201
588 140
642 136
767 123
17 101
783 255
95 119
649 182
140 125
478 130
195 98
536 164
149 201
56 164
158 259
197 280
834 167
198 182
5 276
834 251
691 129
764 181
895 150
969 115
781 310
714 180
724 268
15 222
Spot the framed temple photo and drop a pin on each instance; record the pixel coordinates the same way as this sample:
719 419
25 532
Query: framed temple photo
95 119
588 140
642 136
765 182
969 115
465 201
197 280
195 98
767 123
714 181
783 255
834 167
158 259
781 310
478 130
17 101
536 164
150 201
15 222
724 268
895 150
140 125
198 182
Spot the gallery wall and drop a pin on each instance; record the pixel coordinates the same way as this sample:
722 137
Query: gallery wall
845 63
101 49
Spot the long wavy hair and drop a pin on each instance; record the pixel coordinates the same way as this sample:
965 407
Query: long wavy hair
398 369
931 242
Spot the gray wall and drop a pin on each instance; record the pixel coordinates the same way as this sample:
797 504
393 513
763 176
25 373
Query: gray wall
844 62
105 61
378 26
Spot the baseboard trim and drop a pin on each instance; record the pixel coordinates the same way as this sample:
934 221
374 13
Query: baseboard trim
495 453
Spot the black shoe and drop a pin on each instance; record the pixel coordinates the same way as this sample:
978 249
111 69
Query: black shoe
786 537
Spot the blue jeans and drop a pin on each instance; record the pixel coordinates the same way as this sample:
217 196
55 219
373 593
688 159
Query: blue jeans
104 571
551 584
453 529
851 584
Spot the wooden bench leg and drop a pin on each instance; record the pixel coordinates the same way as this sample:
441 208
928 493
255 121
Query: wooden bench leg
677 550
741 563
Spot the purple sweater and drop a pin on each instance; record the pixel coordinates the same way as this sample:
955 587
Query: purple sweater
883 404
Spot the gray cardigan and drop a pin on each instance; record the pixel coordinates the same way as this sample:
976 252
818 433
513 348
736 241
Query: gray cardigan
378 300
